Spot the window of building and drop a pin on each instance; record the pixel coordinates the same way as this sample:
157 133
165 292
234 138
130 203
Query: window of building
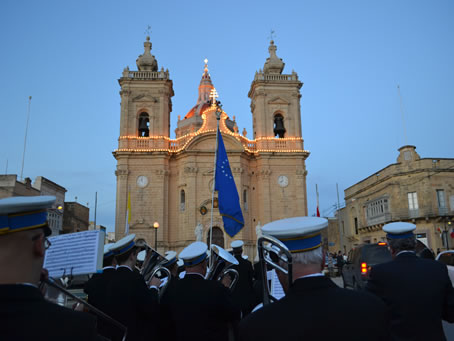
413 204
144 125
441 200
182 200
245 199
356 225
377 208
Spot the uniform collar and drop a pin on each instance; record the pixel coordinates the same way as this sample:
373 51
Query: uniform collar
19 292
406 253
124 266
311 282
193 274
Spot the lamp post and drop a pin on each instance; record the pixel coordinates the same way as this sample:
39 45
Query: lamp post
448 234
156 226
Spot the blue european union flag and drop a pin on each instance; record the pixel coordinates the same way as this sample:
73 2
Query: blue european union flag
229 202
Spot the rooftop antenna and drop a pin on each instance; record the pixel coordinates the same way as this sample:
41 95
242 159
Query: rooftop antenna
402 112
25 139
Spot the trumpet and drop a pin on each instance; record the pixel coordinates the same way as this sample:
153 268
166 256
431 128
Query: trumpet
50 282
269 248
218 268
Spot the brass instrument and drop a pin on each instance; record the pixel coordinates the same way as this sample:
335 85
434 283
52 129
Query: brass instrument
218 268
93 309
269 248
152 265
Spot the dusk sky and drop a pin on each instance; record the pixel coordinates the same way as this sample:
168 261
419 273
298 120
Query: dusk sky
351 55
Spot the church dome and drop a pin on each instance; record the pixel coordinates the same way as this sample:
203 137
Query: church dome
203 101
146 61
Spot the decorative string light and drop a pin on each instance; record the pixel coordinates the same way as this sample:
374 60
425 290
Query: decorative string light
187 138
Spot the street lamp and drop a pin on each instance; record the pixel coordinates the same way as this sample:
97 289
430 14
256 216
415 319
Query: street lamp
156 226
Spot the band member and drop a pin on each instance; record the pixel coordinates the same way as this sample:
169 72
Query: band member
130 302
195 308
243 293
97 286
417 291
303 313
25 314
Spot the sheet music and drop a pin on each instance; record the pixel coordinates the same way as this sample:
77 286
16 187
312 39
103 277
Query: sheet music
75 253
276 288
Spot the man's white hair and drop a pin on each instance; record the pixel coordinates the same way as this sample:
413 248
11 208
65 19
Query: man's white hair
313 257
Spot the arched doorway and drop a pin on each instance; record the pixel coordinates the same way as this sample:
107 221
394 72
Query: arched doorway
218 237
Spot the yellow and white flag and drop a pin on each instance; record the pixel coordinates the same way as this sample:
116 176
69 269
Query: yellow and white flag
128 214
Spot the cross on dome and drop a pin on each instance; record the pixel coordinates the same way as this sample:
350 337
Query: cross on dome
213 96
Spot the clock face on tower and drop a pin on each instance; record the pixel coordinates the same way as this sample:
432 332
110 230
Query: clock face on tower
142 181
282 180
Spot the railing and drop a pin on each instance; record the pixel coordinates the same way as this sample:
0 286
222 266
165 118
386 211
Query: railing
276 77
148 74
164 144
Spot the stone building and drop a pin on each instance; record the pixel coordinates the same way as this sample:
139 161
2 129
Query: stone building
75 217
11 187
414 189
169 181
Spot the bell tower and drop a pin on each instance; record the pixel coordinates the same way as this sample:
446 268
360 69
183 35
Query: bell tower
142 157
275 100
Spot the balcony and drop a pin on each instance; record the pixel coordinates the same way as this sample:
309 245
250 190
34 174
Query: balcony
421 212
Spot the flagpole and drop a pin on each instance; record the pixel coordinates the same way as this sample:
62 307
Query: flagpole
218 117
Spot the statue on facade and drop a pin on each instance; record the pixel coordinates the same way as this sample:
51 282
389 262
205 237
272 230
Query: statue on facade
198 232
258 232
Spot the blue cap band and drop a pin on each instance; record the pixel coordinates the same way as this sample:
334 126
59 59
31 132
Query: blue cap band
399 236
22 221
195 261
305 243
125 248
108 254
170 262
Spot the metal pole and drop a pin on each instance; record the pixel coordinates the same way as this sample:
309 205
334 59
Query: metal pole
341 238
96 205
156 239
218 117
25 138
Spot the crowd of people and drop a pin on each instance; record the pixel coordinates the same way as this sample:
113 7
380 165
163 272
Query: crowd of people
405 299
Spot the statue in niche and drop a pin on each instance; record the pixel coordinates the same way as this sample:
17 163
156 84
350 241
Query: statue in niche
198 232
258 232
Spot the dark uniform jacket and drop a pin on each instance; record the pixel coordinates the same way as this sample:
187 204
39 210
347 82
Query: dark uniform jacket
243 293
130 302
306 313
96 289
418 294
26 315
197 309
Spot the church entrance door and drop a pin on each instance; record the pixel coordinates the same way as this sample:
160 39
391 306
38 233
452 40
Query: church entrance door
218 237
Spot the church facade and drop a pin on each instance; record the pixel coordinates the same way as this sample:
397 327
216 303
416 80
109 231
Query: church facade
170 181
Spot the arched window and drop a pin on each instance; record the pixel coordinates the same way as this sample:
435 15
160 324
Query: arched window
144 125
218 237
245 199
182 200
279 129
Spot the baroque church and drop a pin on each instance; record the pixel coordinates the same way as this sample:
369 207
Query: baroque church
170 181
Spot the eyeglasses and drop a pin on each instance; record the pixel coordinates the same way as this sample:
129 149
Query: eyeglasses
47 242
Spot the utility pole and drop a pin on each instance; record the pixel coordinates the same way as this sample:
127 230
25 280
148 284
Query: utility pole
25 138
341 238
96 206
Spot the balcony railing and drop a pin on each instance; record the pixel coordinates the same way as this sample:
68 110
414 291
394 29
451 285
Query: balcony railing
164 144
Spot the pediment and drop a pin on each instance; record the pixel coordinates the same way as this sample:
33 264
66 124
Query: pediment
143 98
278 100
207 143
